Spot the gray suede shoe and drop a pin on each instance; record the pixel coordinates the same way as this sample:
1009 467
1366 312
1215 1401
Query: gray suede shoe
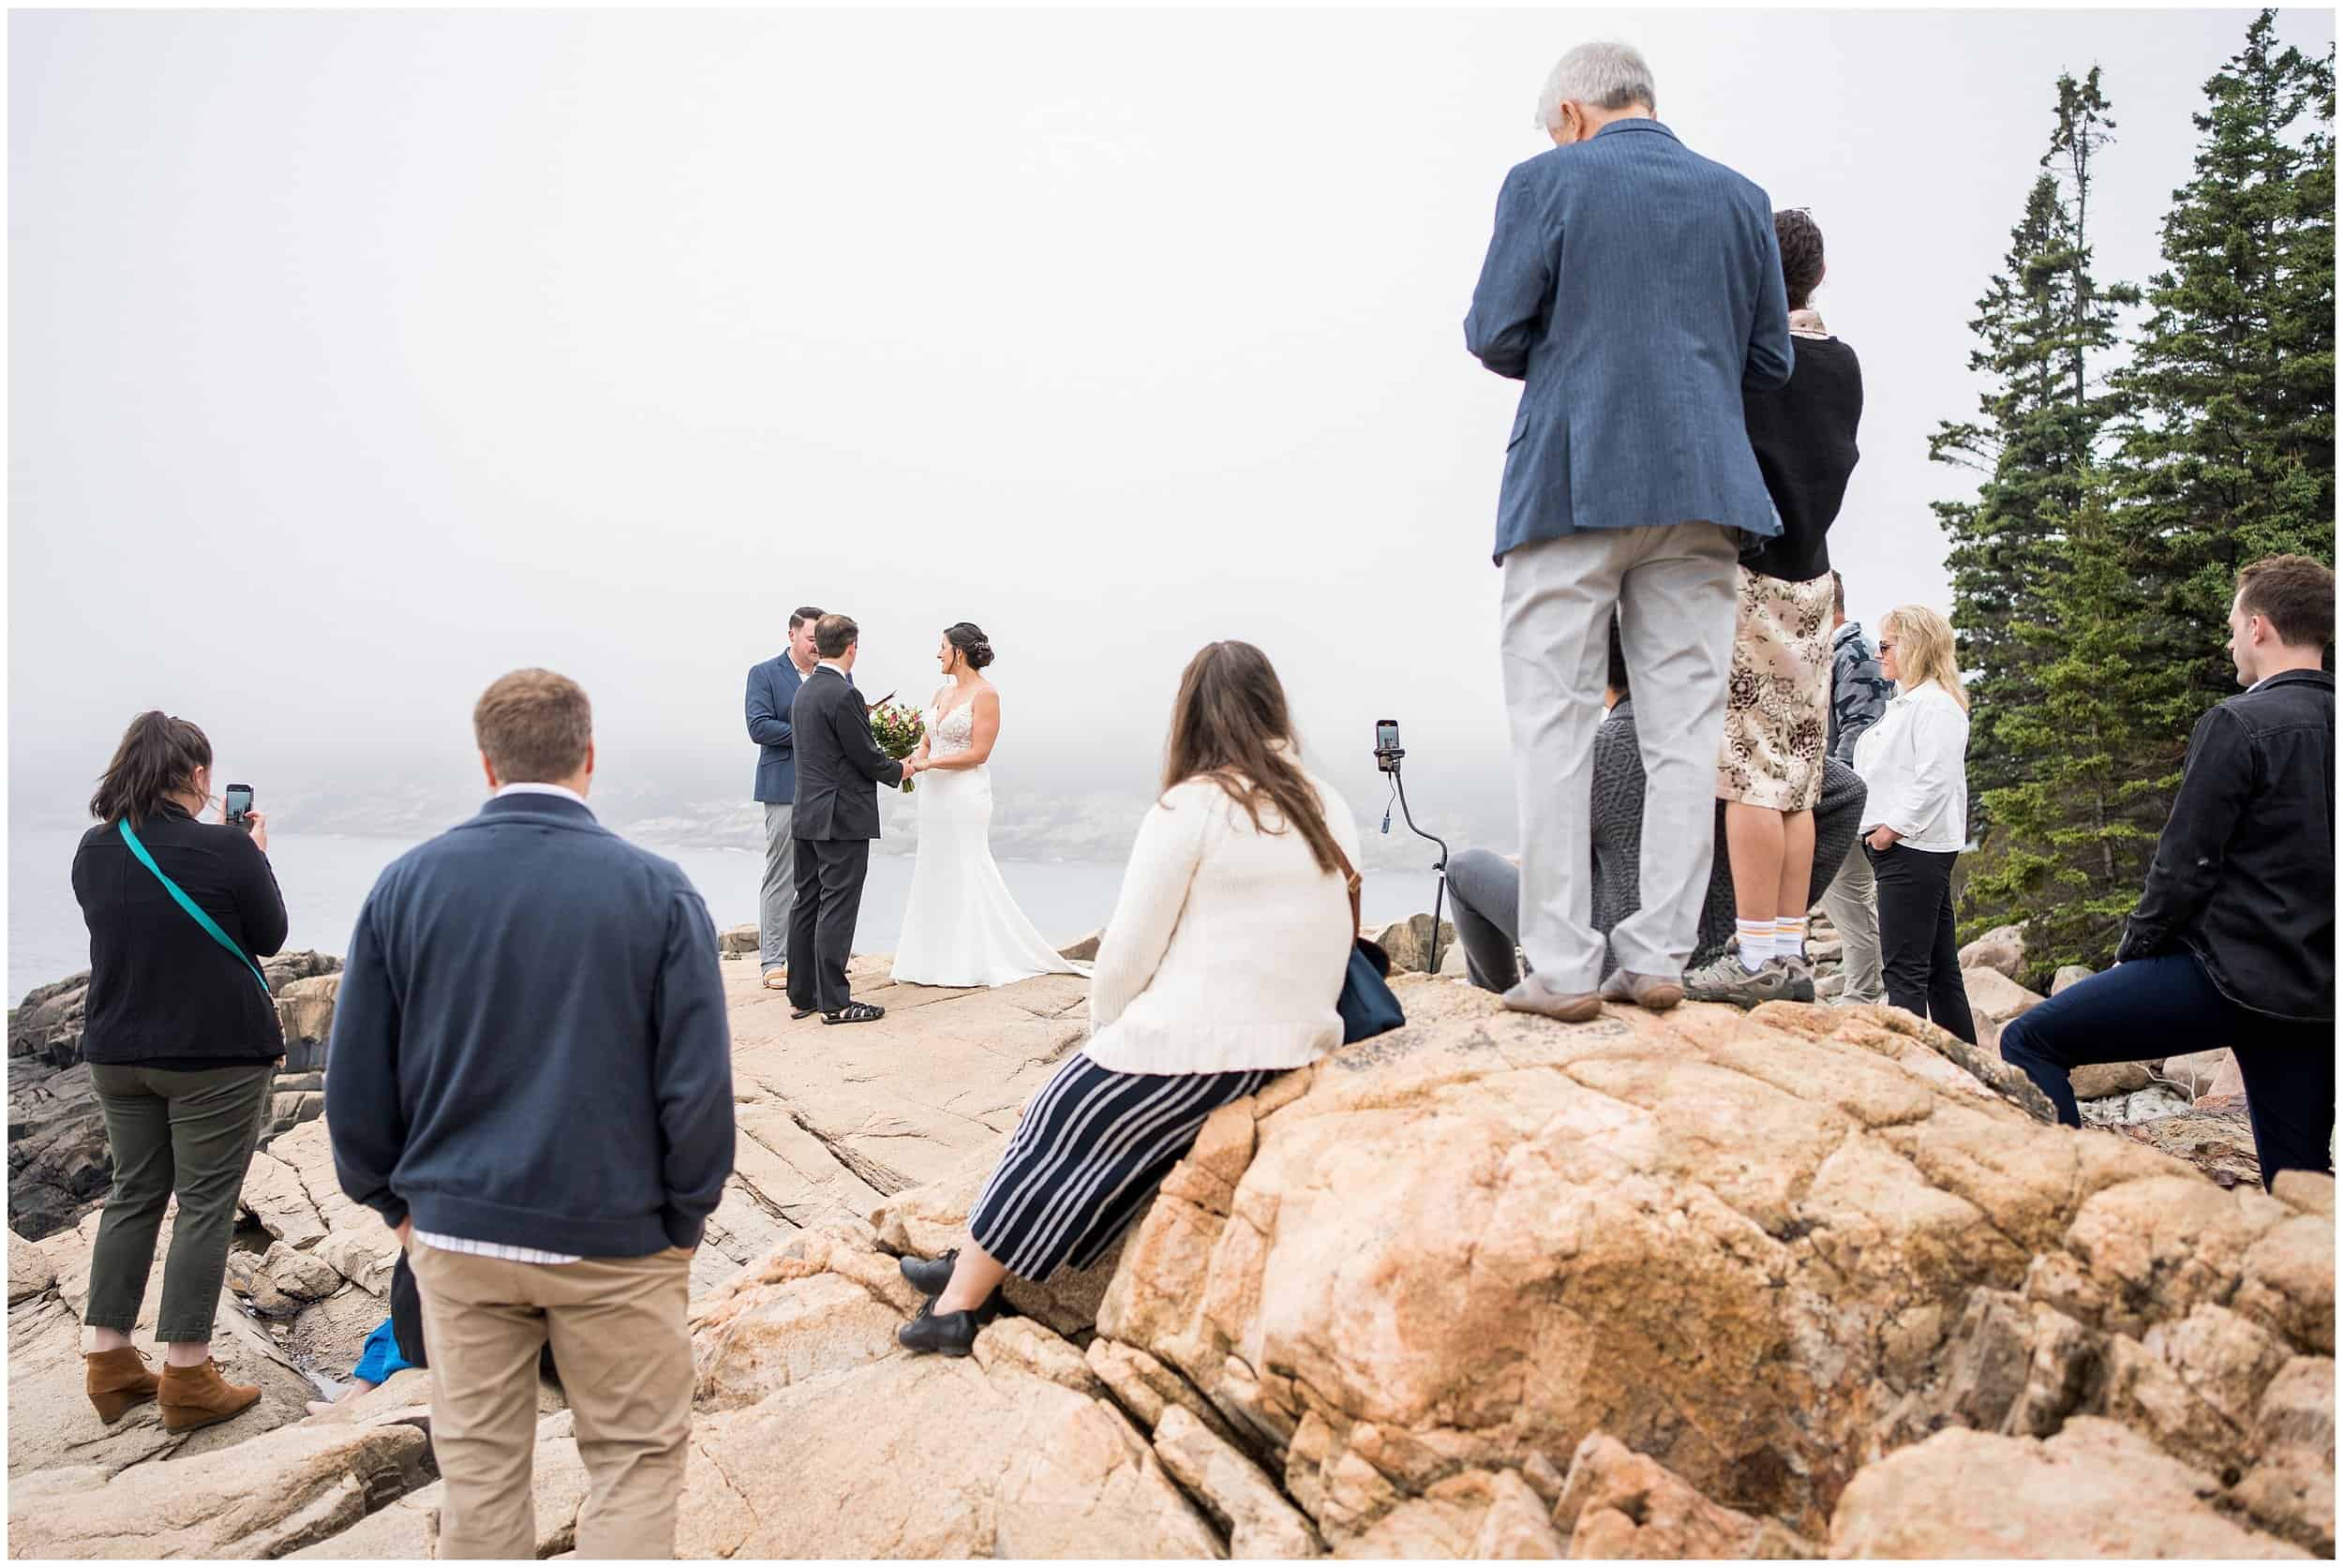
1581 1007
1652 992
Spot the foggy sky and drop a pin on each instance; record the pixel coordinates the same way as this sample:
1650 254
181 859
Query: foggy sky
356 359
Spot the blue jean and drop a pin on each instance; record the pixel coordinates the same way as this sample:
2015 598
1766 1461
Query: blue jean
2168 1005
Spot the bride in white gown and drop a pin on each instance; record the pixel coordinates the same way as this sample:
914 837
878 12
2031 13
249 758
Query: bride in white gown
960 927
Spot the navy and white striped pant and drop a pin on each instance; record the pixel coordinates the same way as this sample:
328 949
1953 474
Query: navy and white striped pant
1091 1150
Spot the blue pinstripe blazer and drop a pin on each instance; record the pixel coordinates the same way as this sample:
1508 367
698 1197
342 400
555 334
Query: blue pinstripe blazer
1633 287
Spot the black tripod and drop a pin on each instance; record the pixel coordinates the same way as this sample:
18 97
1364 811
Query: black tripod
1387 757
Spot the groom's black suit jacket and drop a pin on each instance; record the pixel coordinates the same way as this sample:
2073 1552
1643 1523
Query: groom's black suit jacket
840 767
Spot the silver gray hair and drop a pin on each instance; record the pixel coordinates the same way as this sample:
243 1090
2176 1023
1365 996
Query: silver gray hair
1607 75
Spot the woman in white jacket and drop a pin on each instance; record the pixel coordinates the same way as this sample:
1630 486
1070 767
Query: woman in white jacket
1916 817
1219 971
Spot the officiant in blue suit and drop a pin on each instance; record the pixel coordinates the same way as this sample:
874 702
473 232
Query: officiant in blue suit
772 687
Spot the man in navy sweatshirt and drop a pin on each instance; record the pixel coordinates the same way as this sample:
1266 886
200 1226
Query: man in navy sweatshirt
531 1081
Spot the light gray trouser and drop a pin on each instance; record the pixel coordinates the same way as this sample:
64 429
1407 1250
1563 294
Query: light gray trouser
1851 902
779 894
1674 586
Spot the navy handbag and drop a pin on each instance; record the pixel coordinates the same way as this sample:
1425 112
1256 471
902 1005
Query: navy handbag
1366 1004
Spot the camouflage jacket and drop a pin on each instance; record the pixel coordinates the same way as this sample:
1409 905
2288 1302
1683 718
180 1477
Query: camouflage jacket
1859 692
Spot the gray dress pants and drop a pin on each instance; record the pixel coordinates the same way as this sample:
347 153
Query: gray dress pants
778 894
1674 586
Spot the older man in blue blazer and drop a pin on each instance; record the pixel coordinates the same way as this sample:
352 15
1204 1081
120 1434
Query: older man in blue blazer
1635 288
772 687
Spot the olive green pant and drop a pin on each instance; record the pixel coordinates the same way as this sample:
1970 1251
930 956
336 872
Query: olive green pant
191 1133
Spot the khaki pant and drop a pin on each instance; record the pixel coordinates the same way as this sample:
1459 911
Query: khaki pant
1674 587
618 1337
1851 902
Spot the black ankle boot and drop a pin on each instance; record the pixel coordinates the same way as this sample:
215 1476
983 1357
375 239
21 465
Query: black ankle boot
945 1333
929 1275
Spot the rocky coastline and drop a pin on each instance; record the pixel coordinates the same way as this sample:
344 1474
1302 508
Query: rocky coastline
1808 1282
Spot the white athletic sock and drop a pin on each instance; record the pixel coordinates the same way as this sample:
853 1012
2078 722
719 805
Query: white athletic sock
1753 943
1789 937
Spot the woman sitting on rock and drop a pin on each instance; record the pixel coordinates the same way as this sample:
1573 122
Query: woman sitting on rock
1219 971
182 1044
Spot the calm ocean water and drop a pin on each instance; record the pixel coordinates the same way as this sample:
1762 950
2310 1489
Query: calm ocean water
325 878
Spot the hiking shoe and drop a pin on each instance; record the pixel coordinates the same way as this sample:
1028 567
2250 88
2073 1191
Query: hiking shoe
1801 973
1724 979
1652 992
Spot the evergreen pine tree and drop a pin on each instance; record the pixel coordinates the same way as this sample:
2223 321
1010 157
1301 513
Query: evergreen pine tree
2073 838
2230 455
2042 324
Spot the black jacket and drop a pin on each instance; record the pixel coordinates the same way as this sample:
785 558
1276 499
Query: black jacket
161 992
840 767
2243 876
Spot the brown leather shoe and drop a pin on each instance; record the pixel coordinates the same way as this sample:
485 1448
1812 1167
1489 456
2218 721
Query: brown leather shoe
193 1397
1652 992
1579 1007
117 1380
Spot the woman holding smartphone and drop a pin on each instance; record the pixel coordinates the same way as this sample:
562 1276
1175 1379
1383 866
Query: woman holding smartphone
182 1042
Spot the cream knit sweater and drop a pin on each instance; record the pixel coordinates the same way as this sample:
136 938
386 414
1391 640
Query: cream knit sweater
1228 945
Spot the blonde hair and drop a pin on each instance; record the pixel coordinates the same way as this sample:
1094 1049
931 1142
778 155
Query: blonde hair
1924 650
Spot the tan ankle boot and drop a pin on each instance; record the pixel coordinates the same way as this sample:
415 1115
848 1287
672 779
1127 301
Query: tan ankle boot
117 1380
193 1397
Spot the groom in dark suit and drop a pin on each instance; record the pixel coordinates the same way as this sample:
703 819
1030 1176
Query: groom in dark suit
836 817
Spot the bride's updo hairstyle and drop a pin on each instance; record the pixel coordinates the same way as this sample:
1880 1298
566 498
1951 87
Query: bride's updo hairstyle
1229 725
973 644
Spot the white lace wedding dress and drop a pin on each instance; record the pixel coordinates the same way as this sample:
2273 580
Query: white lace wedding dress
961 927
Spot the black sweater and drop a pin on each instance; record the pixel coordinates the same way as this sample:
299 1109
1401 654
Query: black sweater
1803 435
162 994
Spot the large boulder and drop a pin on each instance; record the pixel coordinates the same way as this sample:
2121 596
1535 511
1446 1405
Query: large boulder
1410 942
2094 1490
2069 974
2102 1080
408 1529
739 941
30 1271
1617 1504
59 1163
304 1009
819 1436
47 1026
1994 999
2001 949
267 1497
1736 1243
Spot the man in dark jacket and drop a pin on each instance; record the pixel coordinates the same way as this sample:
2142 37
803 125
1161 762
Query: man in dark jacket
840 769
2232 942
531 1080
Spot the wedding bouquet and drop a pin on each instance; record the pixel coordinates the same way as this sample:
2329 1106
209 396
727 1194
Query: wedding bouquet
897 728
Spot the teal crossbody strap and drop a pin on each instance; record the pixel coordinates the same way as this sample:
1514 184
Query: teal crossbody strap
210 926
